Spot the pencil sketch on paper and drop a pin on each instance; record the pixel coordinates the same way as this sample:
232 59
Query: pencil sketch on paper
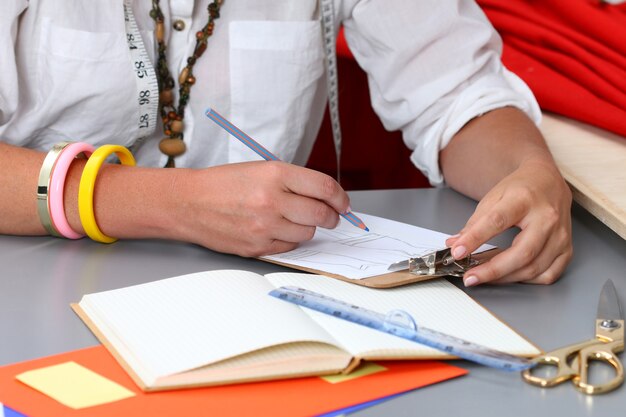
357 254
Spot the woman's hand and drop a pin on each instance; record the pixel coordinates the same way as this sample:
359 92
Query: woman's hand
248 209
502 160
255 208
535 199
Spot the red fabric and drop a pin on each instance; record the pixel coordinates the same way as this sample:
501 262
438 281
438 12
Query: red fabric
371 157
343 51
572 54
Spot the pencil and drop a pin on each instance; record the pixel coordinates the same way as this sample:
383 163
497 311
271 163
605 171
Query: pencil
267 155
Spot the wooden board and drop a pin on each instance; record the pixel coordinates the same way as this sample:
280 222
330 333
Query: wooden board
593 162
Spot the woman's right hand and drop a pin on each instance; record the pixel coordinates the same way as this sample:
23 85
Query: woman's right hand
253 208
248 209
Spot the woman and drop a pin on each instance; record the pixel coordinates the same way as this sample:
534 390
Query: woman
83 71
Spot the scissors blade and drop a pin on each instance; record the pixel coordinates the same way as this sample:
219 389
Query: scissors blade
609 307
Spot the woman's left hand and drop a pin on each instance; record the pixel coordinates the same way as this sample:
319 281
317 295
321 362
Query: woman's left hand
502 160
536 199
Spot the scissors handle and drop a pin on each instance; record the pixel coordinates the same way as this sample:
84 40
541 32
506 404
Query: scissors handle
559 358
604 352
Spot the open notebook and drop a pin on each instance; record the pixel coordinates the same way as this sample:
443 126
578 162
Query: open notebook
220 327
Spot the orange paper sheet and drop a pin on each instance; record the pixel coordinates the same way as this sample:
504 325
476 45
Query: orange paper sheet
288 398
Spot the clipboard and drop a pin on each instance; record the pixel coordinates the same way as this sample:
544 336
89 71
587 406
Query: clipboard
438 264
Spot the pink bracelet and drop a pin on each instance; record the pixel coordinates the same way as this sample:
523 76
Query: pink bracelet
57 185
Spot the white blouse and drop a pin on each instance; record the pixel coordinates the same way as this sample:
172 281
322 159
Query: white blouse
66 72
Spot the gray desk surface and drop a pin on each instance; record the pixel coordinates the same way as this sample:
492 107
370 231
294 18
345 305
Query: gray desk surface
39 277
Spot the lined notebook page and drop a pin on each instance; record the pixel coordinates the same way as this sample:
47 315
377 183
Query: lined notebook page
435 304
173 325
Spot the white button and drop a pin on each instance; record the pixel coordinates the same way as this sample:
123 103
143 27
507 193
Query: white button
179 25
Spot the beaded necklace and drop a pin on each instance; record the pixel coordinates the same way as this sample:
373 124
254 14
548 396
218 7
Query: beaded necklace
172 115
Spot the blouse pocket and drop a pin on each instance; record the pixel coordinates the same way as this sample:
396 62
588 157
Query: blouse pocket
275 69
86 86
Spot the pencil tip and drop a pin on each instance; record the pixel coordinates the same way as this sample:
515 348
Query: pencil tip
366 229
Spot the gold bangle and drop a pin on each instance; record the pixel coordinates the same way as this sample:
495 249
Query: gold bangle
88 183
43 187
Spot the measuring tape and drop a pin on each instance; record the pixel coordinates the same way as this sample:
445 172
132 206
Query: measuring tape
145 77
400 323
328 29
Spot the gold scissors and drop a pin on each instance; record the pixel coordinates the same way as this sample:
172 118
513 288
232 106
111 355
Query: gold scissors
572 362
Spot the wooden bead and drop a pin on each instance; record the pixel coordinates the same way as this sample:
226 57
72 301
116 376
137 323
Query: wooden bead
177 126
184 74
172 147
166 97
200 48
160 32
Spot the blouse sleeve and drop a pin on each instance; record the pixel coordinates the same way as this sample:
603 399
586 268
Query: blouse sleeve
9 80
432 66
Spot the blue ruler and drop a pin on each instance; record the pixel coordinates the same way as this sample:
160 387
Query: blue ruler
400 323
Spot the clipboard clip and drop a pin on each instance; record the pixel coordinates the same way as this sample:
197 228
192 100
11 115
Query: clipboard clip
436 264
441 262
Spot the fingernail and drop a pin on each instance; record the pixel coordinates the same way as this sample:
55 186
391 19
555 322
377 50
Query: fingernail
459 252
470 281
348 210
454 236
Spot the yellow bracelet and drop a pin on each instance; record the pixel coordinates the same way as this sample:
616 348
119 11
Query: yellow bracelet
88 183
43 187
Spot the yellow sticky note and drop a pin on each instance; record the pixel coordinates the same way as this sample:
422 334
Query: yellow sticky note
367 368
74 385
